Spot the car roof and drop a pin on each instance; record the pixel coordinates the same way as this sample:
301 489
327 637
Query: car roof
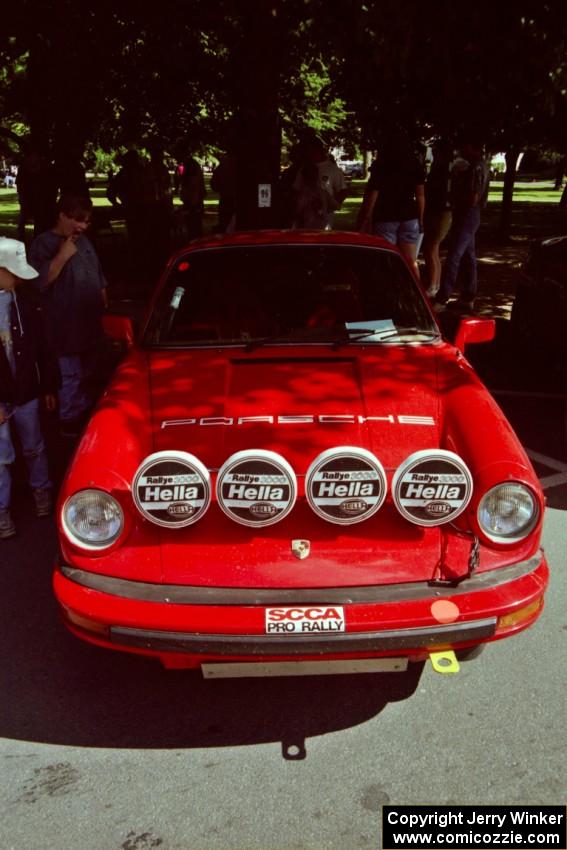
288 237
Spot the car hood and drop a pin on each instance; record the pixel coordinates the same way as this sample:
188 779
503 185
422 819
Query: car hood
297 403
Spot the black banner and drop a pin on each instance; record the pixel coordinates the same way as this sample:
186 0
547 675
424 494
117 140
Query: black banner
479 827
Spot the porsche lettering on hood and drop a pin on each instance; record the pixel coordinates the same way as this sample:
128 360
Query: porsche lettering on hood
295 408
301 419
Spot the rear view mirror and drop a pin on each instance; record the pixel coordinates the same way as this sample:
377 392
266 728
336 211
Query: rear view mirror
118 328
473 330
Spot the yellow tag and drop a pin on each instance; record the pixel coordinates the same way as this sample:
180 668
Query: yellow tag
444 662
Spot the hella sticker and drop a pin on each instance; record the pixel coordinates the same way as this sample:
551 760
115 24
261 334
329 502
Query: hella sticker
432 487
345 485
181 509
313 620
256 487
172 489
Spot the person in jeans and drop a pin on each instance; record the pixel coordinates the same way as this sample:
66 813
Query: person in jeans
469 188
394 199
74 287
438 215
27 371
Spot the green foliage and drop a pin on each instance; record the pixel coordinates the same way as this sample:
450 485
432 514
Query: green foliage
441 68
314 104
122 74
98 161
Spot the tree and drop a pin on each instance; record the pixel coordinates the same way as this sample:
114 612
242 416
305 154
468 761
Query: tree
190 73
444 69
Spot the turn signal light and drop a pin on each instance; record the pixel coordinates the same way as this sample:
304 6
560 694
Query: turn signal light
85 623
520 616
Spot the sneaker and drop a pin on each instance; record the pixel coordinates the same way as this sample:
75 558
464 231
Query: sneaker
43 501
7 527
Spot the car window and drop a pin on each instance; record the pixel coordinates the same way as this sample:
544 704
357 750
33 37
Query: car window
289 294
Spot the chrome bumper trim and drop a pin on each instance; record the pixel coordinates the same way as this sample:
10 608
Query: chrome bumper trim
372 594
387 640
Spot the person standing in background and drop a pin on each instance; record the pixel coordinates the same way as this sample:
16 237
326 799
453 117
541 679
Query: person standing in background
315 162
394 200
37 192
70 174
192 193
223 181
128 189
71 280
438 216
159 210
469 189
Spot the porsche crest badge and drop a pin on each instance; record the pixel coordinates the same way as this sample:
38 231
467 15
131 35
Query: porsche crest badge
300 548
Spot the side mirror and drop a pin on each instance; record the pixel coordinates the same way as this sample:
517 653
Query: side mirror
118 328
474 330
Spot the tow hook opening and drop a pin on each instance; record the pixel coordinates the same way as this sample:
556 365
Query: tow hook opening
444 662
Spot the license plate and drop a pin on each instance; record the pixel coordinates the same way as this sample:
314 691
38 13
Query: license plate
260 669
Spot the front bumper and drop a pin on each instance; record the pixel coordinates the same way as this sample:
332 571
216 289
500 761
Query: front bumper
185 626
374 643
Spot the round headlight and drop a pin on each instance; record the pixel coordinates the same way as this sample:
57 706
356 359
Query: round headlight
508 512
92 519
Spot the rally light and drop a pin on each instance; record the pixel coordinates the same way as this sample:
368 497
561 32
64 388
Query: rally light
432 487
508 512
256 487
172 489
345 485
92 519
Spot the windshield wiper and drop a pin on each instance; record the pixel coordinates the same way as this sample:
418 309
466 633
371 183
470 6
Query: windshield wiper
258 342
356 334
298 336
349 336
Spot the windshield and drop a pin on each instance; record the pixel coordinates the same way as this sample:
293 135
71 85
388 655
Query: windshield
289 294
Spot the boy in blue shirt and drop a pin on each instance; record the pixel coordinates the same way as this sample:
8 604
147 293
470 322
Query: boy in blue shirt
73 289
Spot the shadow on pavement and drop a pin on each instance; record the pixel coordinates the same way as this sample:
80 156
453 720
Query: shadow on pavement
59 690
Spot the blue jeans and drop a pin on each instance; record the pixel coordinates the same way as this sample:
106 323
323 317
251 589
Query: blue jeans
26 421
75 397
461 252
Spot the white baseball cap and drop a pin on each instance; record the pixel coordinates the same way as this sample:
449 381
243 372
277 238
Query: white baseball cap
13 258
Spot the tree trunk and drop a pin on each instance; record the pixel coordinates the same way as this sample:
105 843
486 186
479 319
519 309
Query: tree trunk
258 134
508 194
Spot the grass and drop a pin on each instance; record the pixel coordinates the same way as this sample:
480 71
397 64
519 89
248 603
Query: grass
535 203
527 197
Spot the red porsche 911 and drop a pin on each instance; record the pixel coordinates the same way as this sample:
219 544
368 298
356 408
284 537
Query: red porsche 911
293 472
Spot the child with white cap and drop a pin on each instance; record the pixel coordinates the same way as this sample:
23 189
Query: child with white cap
27 371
